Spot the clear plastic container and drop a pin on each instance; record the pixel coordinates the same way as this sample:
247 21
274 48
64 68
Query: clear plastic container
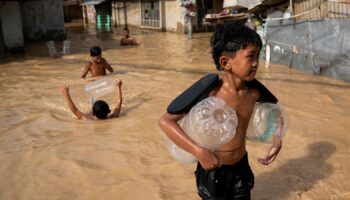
66 47
210 124
52 49
99 88
179 154
268 120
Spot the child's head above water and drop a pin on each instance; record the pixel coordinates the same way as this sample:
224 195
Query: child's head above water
100 109
230 38
95 51
126 31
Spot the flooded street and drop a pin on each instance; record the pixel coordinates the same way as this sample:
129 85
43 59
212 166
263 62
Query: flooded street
46 153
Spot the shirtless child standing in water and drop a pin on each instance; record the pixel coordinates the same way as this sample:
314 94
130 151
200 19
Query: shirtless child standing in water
225 174
98 65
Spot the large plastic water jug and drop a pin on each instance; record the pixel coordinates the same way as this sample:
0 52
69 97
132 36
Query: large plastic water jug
100 88
267 121
179 154
66 47
210 124
52 49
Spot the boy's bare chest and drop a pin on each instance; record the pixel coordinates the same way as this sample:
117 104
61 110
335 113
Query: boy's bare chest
243 103
97 66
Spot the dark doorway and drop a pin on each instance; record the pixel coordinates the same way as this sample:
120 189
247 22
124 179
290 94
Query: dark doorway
2 43
103 15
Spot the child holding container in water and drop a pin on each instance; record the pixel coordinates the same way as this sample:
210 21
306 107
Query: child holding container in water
98 65
225 172
100 109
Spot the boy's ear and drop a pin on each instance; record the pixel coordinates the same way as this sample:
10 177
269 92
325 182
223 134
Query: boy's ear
224 62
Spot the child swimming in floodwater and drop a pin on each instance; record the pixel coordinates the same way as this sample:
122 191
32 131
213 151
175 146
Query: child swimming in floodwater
127 39
225 174
97 66
100 109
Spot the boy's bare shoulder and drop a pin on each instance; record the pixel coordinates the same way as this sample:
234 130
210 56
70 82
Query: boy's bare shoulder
254 93
89 63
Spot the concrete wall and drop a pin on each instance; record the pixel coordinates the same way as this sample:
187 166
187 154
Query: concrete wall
318 47
132 10
173 16
11 26
43 20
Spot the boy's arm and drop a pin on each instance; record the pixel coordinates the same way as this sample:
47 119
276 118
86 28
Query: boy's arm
122 42
168 123
108 66
119 101
273 151
71 105
134 40
277 141
86 70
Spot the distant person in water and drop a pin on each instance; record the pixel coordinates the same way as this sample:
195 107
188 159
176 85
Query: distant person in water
97 66
100 109
127 39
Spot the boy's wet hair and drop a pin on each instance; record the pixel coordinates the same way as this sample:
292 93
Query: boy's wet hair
230 38
100 109
95 51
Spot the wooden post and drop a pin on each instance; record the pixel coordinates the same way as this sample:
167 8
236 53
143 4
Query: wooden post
125 15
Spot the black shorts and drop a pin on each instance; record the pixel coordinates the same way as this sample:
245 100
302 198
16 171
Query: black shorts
225 183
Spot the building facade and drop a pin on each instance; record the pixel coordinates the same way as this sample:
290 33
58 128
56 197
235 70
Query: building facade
164 15
25 21
167 15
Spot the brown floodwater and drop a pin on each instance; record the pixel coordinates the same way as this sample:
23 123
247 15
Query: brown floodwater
45 153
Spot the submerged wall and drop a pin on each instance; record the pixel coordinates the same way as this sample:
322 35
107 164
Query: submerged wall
11 35
173 16
319 47
43 20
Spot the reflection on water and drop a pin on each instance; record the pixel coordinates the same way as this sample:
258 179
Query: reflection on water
45 152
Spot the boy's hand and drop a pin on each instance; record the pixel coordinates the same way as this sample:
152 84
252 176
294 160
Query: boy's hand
272 154
208 159
64 89
118 82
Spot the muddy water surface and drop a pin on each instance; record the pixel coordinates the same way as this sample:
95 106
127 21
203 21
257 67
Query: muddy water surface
45 153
